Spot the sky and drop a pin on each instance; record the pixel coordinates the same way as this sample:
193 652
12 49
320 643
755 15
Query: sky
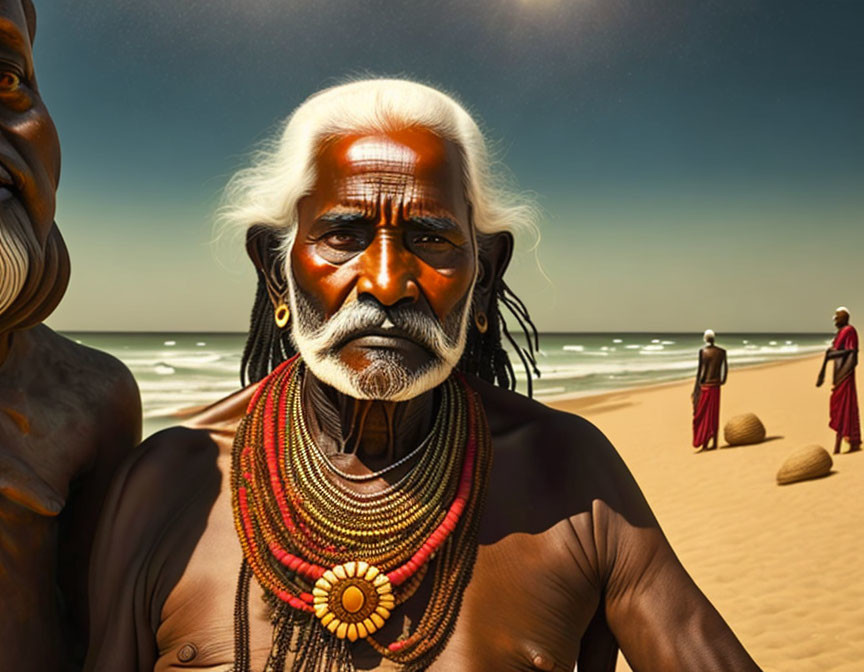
697 163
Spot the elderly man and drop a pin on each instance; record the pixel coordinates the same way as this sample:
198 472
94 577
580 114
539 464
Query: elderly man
710 375
844 396
67 413
381 501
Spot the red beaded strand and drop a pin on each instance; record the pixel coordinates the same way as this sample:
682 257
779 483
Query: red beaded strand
277 526
310 571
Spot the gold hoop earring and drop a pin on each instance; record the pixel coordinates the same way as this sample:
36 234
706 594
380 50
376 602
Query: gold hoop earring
481 322
282 315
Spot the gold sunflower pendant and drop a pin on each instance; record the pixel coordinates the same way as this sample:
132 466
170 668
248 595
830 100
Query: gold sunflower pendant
353 600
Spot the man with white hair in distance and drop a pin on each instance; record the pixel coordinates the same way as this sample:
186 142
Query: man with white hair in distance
844 414
68 414
710 375
382 500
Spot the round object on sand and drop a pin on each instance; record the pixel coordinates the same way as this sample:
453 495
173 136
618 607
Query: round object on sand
805 463
744 429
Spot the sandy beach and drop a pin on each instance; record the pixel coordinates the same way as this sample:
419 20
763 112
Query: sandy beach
783 564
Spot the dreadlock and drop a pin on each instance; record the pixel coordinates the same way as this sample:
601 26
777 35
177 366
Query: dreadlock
267 345
485 356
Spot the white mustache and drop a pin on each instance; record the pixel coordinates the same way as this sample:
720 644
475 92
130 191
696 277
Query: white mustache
318 339
363 315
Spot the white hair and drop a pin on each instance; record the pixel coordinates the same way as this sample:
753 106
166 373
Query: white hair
841 309
708 336
267 192
14 259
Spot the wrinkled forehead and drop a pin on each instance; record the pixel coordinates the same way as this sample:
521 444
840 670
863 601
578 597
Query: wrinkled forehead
14 30
407 165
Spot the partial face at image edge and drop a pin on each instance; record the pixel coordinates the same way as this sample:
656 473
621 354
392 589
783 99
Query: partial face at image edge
29 168
29 146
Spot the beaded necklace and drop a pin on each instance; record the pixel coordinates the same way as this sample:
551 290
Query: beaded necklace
333 563
371 476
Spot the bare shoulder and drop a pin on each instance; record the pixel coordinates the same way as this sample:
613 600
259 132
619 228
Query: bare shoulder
190 453
172 457
155 484
220 419
102 380
558 460
540 429
156 481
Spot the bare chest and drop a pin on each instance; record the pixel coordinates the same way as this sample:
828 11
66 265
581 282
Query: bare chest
527 597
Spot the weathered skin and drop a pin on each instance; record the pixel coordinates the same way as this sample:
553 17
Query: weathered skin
571 559
68 414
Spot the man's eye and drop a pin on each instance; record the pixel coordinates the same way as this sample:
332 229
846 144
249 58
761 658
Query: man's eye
343 240
9 81
431 239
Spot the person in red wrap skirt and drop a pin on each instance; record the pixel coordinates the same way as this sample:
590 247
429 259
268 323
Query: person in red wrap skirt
844 397
706 393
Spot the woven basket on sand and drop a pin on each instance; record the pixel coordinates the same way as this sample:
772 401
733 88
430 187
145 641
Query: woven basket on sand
744 429
805 463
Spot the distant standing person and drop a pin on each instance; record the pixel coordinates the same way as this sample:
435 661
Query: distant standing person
710 375
844 397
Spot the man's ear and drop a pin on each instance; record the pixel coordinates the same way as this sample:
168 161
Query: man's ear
495 252
263 245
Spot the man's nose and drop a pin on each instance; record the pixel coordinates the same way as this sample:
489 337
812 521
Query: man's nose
388 270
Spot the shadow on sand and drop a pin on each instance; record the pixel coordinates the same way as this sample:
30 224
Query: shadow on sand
728 446
776 437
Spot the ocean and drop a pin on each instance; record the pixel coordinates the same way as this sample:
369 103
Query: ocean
176 371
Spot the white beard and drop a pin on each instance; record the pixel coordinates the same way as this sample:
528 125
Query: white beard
14 259
385 377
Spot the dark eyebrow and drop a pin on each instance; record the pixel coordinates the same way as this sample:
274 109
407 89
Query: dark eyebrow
434 223
342 218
